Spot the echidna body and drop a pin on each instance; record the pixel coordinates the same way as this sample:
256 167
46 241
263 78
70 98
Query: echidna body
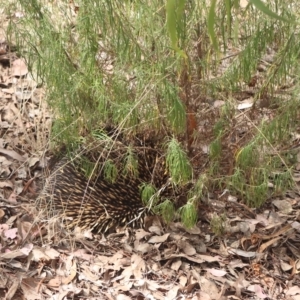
97 204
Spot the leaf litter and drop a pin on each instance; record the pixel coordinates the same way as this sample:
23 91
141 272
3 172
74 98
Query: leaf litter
256 257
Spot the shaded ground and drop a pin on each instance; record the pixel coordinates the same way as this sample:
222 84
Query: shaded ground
256 257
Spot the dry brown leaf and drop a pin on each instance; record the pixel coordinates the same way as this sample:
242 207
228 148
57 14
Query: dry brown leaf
183 280
245 104
124 285
122 297
116 261
159 295
55 282
6 183
258 291
22 173
296 225
154 286
17 253
208 286
217 272
38 254
12 197
141 234
264 246
117 256
204 296
19 67
4 125
142 247
188 249
12 290
15 264
218 103
101 260
284 206
158 239
176 264
168 273
51 253
108 296
285 266
72 273
286 230
242 253
3 227
138 266
21 95
237 263
191 287
32 161
8 91
293 290
87 274
31 288
155 229
23 229
194 230
61 280
126 274
3 280
11 233
13 154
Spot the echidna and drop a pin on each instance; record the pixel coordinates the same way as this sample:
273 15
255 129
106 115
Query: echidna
98 204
